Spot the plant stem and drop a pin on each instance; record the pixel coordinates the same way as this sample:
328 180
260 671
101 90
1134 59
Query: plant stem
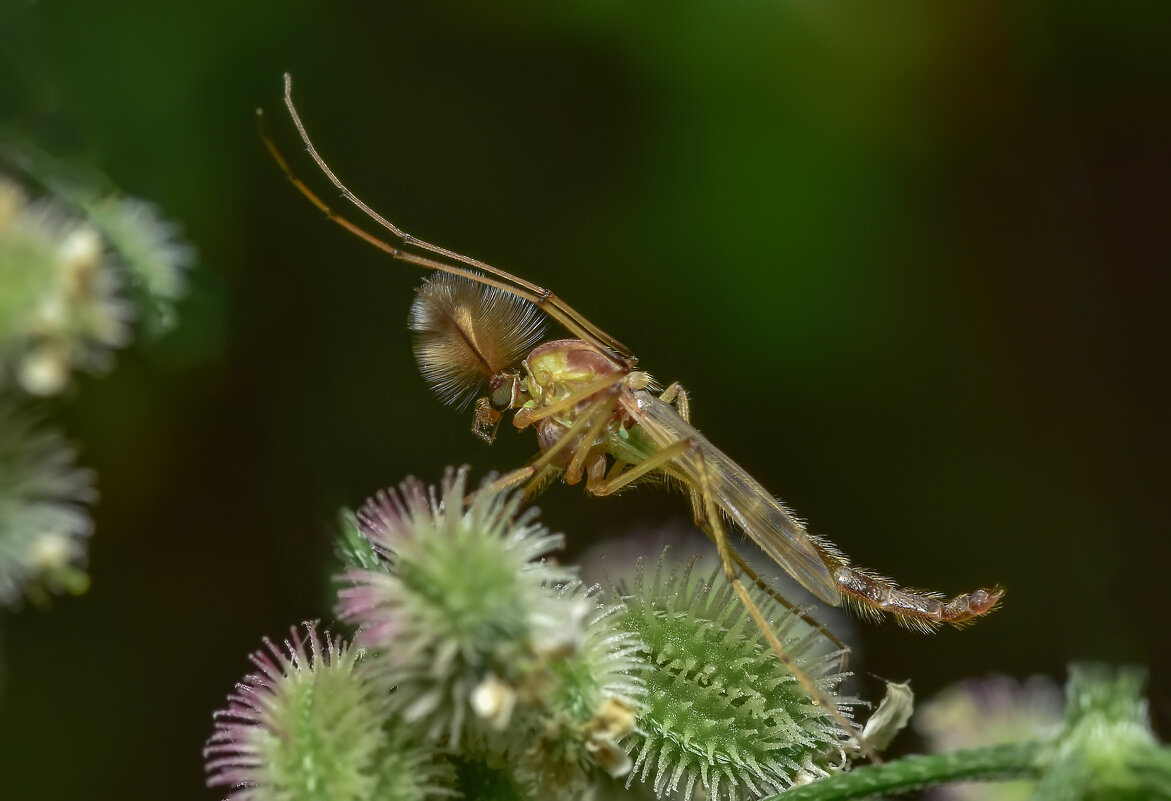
1001 762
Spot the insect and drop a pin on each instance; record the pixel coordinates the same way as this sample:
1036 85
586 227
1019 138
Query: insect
601 420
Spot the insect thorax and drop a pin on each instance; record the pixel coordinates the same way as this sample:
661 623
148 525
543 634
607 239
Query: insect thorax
565 368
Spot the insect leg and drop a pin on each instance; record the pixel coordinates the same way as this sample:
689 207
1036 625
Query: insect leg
664 456
771 592
525 417
616 481
539 296
873 595
602 407
677 396
616 469
510 479
870 594
402 255
819 697
598 413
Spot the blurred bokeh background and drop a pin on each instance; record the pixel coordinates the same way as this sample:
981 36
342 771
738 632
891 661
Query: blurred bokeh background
908 257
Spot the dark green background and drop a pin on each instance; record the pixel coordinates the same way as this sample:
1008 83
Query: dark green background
908 256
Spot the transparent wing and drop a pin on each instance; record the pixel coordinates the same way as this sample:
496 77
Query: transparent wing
742 498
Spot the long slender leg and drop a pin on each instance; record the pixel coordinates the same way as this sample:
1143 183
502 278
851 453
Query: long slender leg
870 594
700 519
620 478
386 247
511 479
677 396
874 595
614 483
540 300
539 296
526 417
587 443
766 588
616 469
807 684
540 481
602 407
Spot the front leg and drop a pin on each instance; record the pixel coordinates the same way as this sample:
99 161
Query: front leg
677 396
485 421
535 472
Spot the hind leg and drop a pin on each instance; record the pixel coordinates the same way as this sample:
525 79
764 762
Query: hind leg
715 529
677 396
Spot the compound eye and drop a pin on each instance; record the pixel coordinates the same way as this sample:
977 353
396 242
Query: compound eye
502 391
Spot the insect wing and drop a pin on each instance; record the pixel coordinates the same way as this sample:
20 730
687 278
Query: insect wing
741 497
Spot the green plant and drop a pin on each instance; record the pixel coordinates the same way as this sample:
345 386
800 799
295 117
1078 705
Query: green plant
479 649
78 265
483 669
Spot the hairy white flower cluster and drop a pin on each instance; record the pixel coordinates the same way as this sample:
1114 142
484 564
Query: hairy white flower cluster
60 309
76 268
493 650
64 306
43 520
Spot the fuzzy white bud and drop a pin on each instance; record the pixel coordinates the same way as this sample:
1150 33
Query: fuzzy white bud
50 551
52 315
12 201
560 635
80 251
609 757
43 371
493 700
614 719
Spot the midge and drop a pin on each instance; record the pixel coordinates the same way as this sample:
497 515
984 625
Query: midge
600 419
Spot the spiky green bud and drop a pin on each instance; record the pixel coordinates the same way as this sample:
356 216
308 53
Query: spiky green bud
590 691
150 250
491 648
723 719
993 710
43 520
460 598
61 309
312 725
1107 751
